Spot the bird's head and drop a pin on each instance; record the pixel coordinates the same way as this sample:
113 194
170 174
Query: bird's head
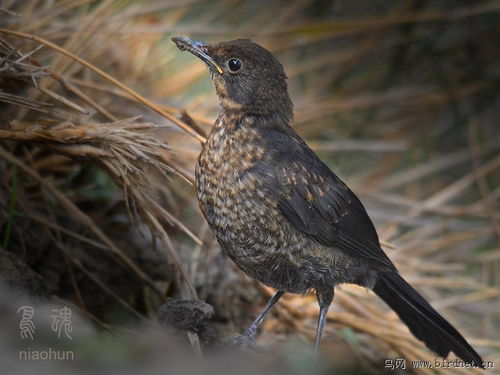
246 76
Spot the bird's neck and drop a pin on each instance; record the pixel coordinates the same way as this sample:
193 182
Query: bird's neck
277 105
232 119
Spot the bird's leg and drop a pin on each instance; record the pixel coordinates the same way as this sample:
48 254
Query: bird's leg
252 330
247 339
325 298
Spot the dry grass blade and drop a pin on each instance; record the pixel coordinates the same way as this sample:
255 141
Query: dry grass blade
125 148
108 78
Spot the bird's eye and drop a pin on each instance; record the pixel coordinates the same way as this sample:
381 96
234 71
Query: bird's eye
234 65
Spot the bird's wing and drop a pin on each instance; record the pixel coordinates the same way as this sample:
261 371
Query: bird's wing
319 204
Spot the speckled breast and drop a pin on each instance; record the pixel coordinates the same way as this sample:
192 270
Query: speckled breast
246 220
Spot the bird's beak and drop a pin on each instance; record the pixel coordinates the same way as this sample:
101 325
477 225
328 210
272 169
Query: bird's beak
197 48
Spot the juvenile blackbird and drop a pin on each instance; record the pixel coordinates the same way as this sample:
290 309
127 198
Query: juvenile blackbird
280 213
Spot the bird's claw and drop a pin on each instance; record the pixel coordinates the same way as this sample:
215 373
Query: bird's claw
245 341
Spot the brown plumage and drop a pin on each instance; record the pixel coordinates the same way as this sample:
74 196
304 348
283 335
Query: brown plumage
279 212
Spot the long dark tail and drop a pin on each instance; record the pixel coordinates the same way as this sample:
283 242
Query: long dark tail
422 320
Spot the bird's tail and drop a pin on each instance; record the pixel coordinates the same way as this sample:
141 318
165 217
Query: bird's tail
422 320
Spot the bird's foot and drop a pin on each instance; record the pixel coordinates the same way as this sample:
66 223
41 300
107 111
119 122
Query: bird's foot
245 341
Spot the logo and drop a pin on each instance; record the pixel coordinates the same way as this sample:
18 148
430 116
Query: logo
26 325
61 325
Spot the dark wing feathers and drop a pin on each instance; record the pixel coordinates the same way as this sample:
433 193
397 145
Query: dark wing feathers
319 204
315 200
297 210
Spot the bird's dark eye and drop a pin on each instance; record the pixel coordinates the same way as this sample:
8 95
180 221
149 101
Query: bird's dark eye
234 65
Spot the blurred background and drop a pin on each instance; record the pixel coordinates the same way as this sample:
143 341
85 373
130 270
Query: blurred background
102 118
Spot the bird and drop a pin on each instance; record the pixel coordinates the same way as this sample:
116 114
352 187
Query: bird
280 213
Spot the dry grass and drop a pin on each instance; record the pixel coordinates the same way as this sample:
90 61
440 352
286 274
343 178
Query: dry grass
400 99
